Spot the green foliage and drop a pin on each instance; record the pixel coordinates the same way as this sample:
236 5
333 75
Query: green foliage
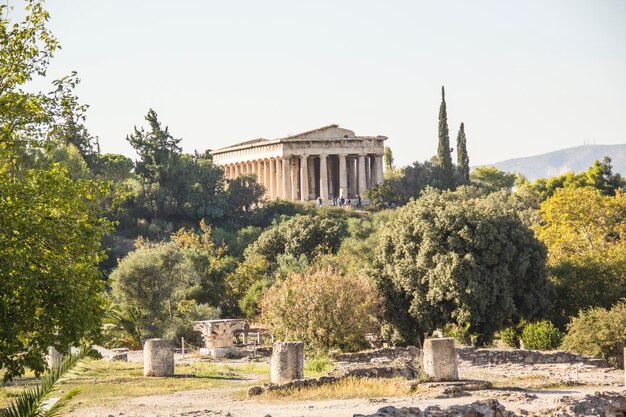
150 282
318 365
31 402
599 332
156 148
250 304
462 156
599 176
454 257
244 192
317 309
388 158
50 291
492 179
444 160
301 235
571 229
510 337
541 335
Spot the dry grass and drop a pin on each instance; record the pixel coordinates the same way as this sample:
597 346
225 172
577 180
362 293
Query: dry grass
346 389
105 382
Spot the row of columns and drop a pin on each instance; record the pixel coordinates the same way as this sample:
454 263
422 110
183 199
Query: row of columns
300 177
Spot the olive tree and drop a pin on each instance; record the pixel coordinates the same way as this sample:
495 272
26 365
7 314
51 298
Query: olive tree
457 257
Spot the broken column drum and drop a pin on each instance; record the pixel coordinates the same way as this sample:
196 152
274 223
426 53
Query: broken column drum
287 362
158 358
440 359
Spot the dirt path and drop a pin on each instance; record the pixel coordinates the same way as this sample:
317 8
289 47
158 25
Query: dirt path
516 387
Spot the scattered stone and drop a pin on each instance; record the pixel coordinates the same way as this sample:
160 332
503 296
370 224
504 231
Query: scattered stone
255 391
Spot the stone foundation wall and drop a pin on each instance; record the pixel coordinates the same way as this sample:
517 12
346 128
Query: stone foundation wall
408 352
530 357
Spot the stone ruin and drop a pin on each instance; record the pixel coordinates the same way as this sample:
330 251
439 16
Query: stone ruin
219 335
158 357
601 404
287 362
440 359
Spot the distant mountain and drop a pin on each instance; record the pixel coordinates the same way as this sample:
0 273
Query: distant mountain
575 159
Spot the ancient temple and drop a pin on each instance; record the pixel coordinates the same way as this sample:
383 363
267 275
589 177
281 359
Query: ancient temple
326 162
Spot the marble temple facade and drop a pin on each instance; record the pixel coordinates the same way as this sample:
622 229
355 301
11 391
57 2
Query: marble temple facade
326 162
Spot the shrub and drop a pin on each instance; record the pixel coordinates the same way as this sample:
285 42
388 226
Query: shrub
510 337
541 335
323 309
599 332
319 365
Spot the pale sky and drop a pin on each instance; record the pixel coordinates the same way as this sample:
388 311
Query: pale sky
526 77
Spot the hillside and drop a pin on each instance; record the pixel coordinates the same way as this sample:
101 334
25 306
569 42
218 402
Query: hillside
575 159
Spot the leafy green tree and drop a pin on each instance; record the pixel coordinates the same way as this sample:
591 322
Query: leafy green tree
301 235
599 176
492 179
51 289
151 282
571 229
599 332
388 157
317 309
156 148
444 160
462 156
451 257
112 167
50 224
244 192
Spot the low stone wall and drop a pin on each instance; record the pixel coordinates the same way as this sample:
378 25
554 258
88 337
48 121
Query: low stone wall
529 357
367 356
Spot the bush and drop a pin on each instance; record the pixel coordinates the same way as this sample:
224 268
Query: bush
510 337
319 365
323 309
541 335
599 332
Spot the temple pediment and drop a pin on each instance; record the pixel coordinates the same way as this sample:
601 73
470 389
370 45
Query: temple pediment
327 132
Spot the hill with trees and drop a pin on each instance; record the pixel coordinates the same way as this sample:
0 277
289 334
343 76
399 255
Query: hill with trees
576 159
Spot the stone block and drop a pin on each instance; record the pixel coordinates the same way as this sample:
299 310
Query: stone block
440 359
158 357
287 362
54 357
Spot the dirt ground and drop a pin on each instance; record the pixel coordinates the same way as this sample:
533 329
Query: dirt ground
517 387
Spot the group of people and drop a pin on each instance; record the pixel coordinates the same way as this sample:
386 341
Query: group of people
341 202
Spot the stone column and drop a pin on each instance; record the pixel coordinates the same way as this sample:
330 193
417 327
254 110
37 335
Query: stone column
353 172
287 362
158 358
260 172
270 185
279 178
304 177
440 359
362 177
295 186
343 176
54 357
275 168
286 166
266 180
379 170
323 177
236 170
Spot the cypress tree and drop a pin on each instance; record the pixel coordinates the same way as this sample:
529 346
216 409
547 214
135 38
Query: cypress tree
444 160
462 160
